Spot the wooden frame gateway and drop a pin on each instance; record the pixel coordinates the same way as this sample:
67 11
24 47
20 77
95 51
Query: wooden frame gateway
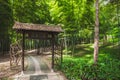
37 31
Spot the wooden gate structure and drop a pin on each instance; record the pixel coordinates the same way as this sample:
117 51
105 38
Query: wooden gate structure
40 32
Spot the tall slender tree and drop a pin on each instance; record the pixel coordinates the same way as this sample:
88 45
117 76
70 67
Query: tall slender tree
96 36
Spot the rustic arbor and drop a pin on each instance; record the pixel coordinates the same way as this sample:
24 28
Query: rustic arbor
37 31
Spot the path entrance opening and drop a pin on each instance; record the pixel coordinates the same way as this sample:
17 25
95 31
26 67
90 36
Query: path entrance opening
41 33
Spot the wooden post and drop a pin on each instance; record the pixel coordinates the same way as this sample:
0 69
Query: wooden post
61 44
53 40
23 47
10 56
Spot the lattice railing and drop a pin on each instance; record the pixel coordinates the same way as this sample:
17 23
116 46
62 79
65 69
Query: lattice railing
15 54
58 50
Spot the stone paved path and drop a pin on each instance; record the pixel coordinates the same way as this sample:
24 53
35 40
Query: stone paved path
37 70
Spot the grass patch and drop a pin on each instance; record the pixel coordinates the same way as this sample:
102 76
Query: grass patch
80 67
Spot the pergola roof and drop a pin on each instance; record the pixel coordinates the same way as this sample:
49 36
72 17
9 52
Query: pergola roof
37 27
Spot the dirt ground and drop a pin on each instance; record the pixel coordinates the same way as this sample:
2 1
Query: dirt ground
5 70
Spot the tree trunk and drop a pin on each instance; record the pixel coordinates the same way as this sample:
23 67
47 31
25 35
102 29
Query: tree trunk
96 36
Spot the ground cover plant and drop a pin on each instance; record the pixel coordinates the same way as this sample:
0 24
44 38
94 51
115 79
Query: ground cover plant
82 68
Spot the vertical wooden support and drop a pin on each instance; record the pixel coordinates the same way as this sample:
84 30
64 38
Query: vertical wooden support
23 47
61 53
53 40
37 47
10 56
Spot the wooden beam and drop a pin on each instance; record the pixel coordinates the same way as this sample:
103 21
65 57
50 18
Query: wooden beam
52 42
23 47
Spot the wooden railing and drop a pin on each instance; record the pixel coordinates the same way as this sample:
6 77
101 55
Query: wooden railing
58 55
15 54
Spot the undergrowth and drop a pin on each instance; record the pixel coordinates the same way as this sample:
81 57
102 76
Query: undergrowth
82 67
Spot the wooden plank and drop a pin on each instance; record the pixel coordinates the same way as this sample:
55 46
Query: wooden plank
39 36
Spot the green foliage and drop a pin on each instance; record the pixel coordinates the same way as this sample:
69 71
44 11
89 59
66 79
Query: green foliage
83 68
6 21
108 20
77 17
5 17
31 11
